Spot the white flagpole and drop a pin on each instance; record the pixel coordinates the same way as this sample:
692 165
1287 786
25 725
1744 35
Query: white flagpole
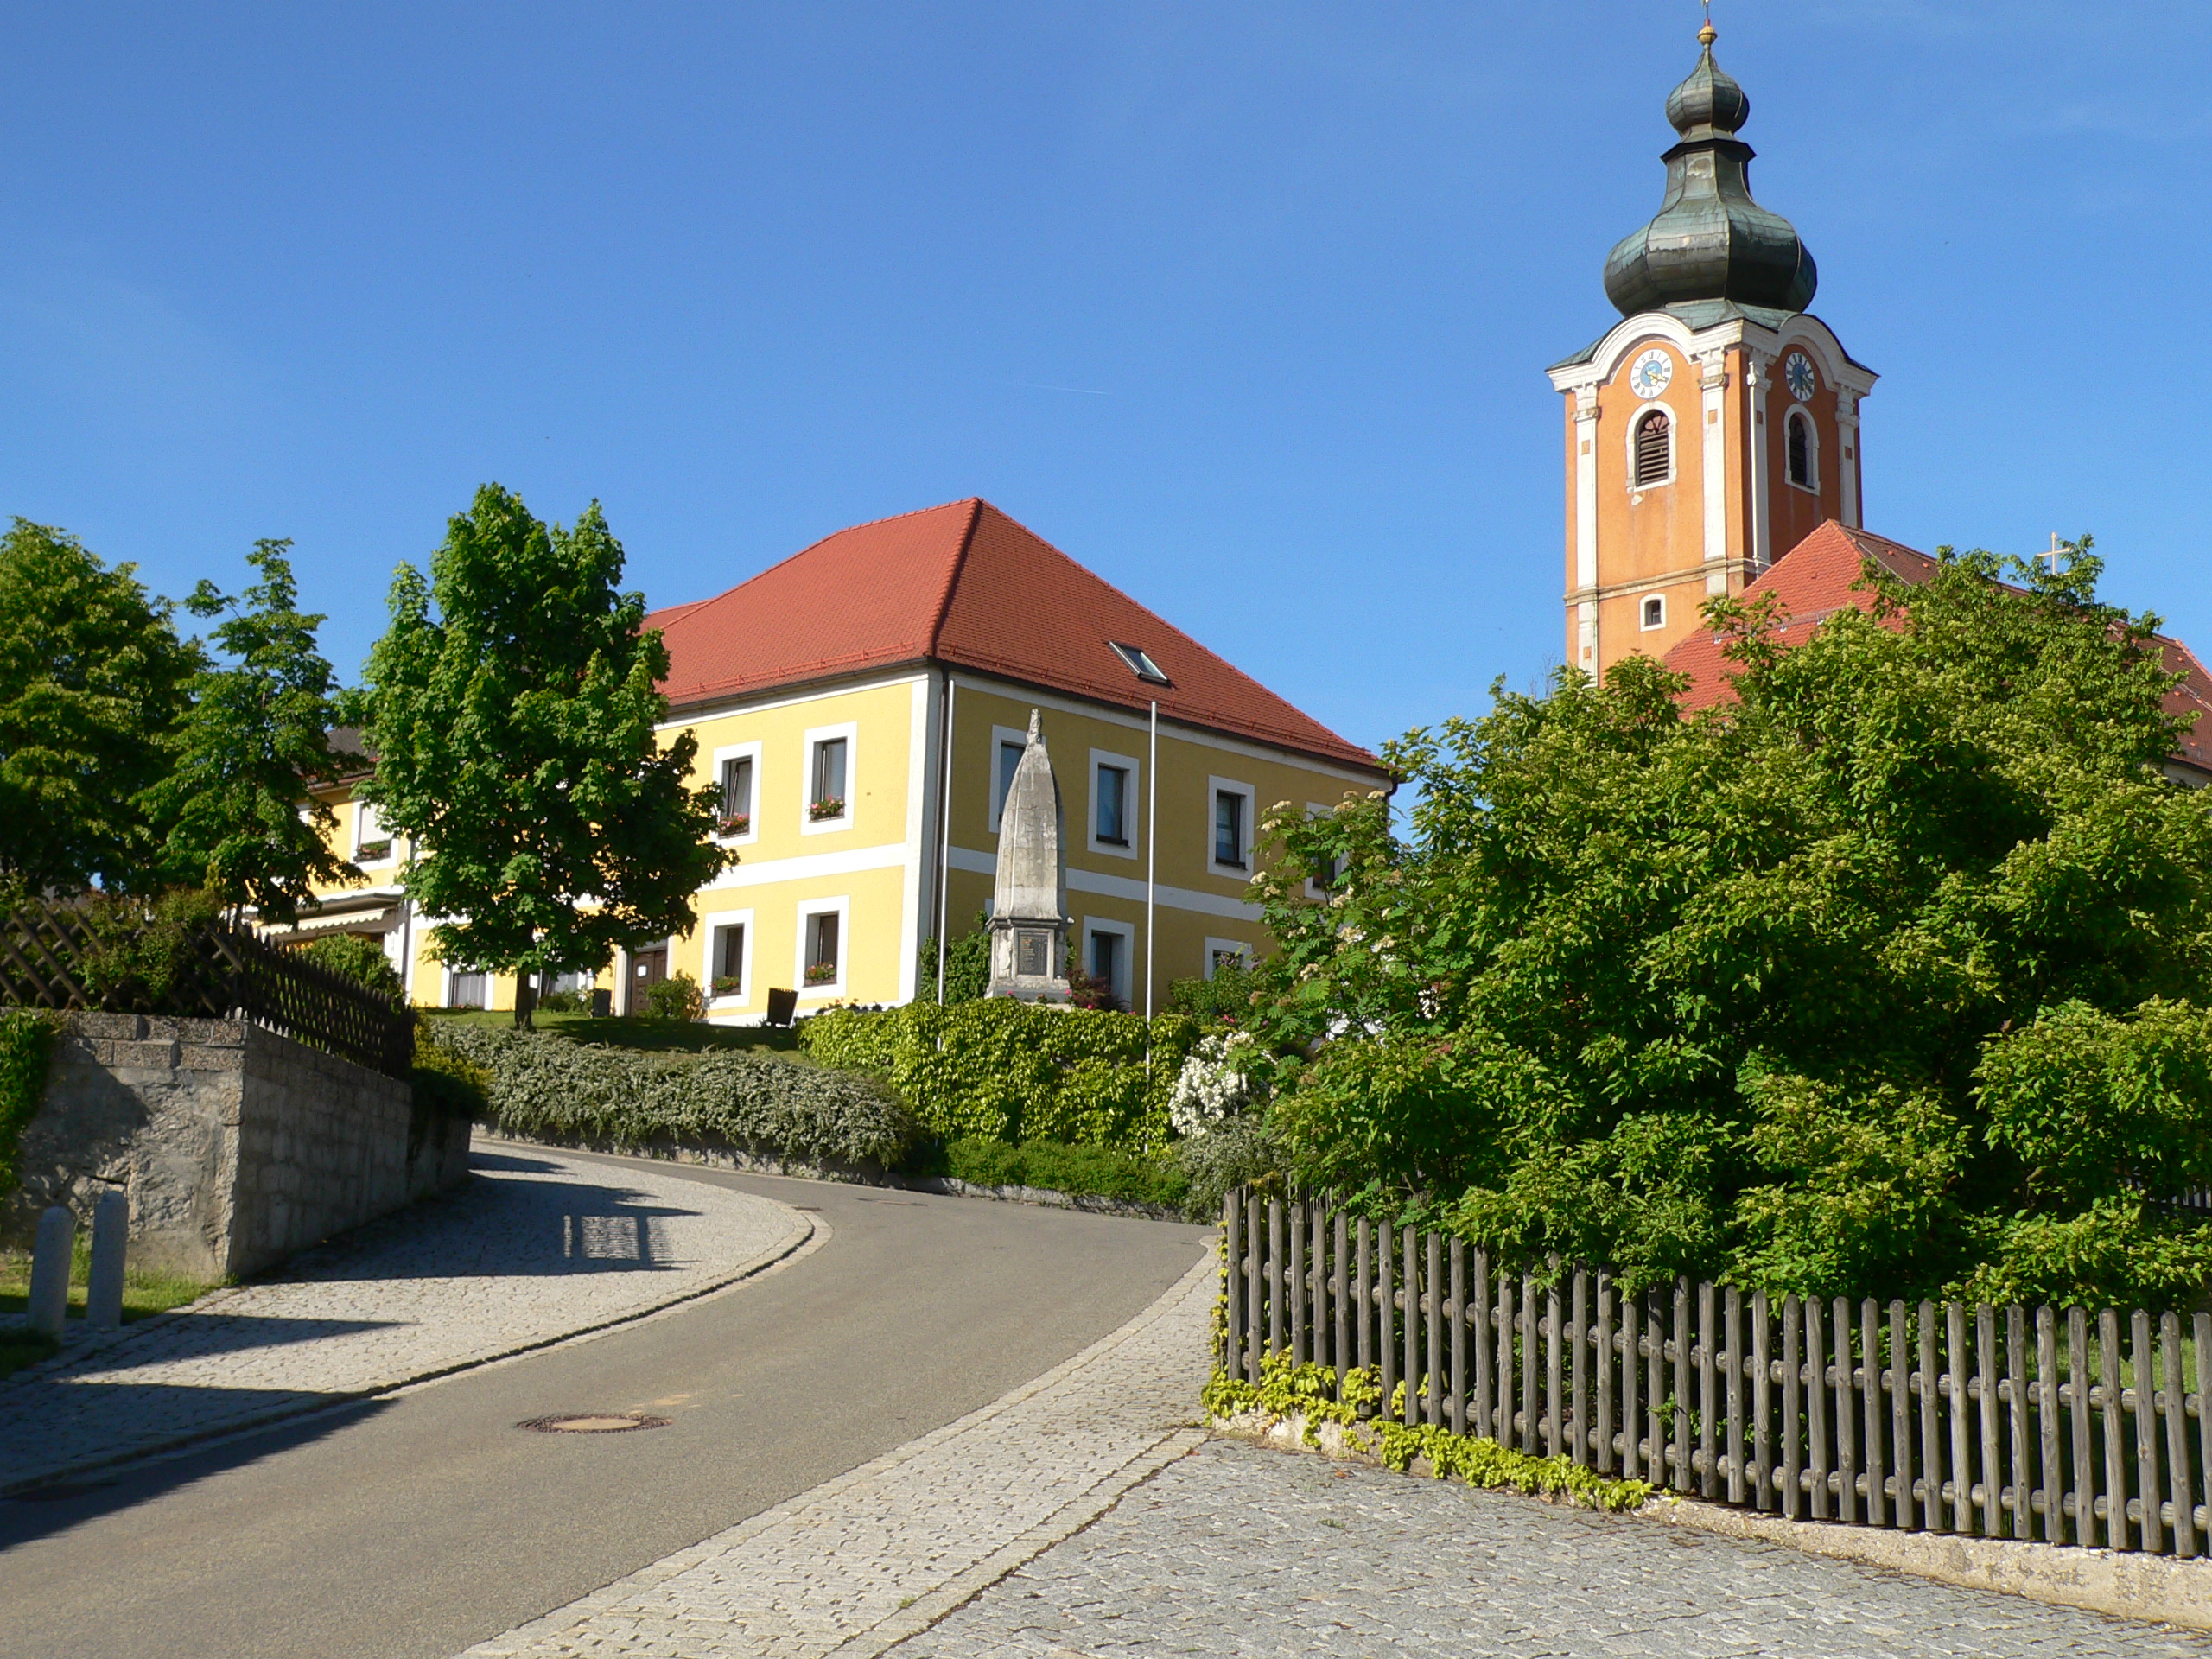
944 817
1151 856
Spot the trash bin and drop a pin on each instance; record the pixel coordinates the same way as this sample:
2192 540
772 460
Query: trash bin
602 1004
781 1006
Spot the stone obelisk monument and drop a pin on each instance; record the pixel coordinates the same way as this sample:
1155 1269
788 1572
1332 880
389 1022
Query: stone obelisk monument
1029 899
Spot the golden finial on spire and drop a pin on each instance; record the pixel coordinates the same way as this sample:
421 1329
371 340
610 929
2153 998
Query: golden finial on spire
1708 35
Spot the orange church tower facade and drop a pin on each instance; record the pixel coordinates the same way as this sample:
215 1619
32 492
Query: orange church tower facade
1717 425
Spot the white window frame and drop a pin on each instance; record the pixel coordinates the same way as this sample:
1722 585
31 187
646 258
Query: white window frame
727 918
1798 415
1132 795
453 973
750 752
1000 736
364 811
1237 948
1218 786
1644 622
809 909
1125 932
816 736
1674 430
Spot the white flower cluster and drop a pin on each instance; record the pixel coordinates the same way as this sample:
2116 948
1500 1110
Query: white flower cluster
1209 1090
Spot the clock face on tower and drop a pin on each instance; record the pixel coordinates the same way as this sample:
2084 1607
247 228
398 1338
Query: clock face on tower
1797 370
1649 377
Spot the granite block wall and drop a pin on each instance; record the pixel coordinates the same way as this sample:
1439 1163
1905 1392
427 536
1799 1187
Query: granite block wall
237 1147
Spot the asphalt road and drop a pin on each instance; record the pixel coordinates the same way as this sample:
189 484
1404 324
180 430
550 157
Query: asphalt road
413 1527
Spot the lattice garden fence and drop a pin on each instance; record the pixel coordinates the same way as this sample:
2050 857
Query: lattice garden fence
2070 1426
219 974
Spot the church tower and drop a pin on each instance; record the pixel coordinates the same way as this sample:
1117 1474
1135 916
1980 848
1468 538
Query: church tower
1717 425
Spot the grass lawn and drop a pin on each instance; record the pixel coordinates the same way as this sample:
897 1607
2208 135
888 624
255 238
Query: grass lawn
143 1295
624 1032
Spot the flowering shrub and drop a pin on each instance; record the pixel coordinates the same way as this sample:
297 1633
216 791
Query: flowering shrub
821 973
677 997
733 823
1211 1087
831 806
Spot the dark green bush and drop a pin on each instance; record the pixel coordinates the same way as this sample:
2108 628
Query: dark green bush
545 1087
360 958
1096 1171
447 1082
26 1039
1010 1072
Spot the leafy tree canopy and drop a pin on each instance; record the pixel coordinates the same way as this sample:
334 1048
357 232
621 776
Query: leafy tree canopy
93 679
1890 975
512 709
234 811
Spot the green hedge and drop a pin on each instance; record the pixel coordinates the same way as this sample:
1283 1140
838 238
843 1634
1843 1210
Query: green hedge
1015 1072
544 1087
26 1039
1095 1172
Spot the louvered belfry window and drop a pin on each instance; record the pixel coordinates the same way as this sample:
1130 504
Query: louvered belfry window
1651 449
1801 450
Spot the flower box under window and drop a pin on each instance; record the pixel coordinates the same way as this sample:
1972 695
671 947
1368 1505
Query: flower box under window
374 852
822 973
728 985
830 807
734 823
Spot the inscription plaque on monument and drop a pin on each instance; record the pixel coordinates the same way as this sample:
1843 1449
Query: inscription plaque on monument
1033 951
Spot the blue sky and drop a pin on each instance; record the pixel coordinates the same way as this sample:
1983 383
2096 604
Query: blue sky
1246 306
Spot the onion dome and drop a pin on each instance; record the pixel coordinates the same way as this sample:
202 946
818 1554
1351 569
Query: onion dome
1711 241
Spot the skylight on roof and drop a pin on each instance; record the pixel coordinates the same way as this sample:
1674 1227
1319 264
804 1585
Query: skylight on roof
1141 663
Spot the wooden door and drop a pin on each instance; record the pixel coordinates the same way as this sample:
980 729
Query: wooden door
647 969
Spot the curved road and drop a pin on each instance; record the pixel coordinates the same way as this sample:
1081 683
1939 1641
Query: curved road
413 1527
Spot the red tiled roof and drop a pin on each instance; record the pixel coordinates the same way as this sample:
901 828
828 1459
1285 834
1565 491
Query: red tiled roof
1818 577
964 586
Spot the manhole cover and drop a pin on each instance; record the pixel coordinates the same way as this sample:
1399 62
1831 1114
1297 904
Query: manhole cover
595 1423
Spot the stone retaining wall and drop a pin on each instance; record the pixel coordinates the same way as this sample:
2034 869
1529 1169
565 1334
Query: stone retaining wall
237 1147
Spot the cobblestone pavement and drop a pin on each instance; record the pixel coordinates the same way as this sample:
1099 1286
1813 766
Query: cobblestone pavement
1241 1550
536 1247
875 1554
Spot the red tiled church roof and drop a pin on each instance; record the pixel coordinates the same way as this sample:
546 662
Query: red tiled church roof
1818 577
964 586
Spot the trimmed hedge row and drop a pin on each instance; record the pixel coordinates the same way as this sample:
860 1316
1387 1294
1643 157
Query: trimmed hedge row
26 1039
1092 1172
548 1088
1016 1073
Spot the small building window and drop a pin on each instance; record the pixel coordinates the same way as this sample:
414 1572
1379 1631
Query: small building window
1106 960
1800 445
1229 828
1655 449
729 960
1009 761
371 842
1654 612
1140 663
826 800
1114 805
737 796
822 948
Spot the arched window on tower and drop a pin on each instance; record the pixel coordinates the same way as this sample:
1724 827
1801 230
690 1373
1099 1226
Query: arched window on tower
1654 448
1803 454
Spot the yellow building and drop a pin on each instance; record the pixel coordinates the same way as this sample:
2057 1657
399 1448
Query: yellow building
862 705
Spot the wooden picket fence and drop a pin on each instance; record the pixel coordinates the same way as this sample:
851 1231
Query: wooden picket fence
2067 1425
221 973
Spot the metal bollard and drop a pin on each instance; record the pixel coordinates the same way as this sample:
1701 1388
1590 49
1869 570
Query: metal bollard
104 1291
57 1237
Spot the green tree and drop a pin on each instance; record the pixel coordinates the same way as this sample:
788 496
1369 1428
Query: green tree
1887 977
235 812
93 679
513 731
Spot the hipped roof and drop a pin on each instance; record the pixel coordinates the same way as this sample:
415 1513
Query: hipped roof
964 586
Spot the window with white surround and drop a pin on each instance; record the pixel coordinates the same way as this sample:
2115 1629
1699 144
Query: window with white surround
1802 444
737 771
1651 449
372 842
829 777
1109 951
822 945
1115 804
1234 953
1007 745
1653 614
729 956
1229 828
